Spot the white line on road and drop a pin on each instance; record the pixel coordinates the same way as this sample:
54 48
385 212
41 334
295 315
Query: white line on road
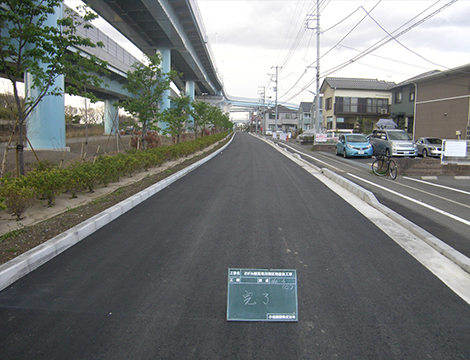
443 267
316 159
445 213
437 185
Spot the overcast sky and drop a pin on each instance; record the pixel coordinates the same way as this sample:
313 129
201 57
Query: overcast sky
250 38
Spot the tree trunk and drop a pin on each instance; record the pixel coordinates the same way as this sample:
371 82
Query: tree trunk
144 131
19 148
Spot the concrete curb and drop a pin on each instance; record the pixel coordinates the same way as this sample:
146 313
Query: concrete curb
32 259
446 250
367 196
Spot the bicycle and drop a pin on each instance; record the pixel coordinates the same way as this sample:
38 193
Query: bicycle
384 165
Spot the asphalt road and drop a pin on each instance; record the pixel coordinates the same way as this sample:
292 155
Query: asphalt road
439 205
153 284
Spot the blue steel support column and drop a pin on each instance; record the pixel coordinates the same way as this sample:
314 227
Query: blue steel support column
165 53
111 117
190 92
46 125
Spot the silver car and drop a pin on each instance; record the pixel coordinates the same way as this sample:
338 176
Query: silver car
429 146
394 142
307 137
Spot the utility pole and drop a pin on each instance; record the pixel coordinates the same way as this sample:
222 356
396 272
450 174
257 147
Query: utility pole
262 95
275 89
318 124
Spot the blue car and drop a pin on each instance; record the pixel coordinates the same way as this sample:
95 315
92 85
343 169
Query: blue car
354 145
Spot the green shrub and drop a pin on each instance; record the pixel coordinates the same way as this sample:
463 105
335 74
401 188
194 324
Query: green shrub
17 197
47 183
84 174
106 172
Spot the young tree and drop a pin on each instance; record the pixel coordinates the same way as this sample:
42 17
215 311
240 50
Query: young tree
200 114
218 119
147 82
177 115
29 44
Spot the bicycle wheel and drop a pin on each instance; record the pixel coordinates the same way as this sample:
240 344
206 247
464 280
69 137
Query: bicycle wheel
392 169
379 167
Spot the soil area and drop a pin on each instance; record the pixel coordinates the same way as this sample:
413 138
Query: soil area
42 223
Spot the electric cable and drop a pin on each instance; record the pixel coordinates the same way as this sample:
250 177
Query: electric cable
377 45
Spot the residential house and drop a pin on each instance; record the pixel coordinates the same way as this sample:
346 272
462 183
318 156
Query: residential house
350 103
305 116
402 108
286 118
442 104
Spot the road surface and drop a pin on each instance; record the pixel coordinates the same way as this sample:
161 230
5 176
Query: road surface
153 283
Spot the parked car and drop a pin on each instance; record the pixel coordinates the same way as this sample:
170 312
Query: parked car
394 142
429 146
307 137
268 132
353 145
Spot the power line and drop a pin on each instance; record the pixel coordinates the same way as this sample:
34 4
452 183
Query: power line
339 42
377 45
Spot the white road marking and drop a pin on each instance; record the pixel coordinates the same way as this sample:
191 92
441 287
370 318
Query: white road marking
445 213
437 185
457 279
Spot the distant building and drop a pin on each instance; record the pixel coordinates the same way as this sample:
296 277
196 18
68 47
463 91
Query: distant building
305 116
287 118
349 102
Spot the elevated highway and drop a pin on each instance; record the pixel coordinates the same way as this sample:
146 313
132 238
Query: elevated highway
172 28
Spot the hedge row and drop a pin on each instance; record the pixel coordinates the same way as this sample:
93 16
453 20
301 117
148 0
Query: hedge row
46 181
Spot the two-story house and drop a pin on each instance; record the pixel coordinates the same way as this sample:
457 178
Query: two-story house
286 121
305 116
347 101
402 108
442 104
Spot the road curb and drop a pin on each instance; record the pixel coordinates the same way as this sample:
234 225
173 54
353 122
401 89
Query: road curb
446 250
449 252
25 263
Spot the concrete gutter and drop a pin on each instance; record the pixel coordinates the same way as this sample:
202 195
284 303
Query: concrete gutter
32 259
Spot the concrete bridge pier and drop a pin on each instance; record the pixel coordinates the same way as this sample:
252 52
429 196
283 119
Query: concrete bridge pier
165 53
45 126
190 88
111 116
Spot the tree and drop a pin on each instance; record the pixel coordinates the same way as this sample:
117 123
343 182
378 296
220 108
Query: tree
29 44
147 83
218 119
200 114
72 114
177 115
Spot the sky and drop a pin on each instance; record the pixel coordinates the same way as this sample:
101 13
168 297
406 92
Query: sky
249 39
391 40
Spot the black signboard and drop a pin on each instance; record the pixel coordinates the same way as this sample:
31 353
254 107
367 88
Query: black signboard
262 295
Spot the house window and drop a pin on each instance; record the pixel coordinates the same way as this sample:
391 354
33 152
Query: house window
354 105
328 103
412 94
377 106
398 97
